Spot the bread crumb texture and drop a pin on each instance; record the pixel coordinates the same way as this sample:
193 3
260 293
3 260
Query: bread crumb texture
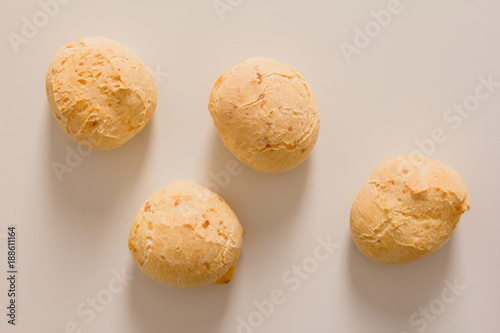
185 235
266 114
100 92
407 209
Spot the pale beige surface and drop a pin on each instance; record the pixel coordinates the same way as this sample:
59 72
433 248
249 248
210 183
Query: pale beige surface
407 209
266 114
395 91
187 236
100 92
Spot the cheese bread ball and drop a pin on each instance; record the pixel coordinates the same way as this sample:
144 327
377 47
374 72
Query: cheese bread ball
100 92
407 209
187 236
266 114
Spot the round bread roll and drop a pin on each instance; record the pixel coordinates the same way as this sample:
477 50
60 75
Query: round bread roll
187 236
100 92
266 114
407 209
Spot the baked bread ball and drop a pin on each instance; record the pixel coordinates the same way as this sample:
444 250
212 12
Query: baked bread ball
187 236
266 114
100 92
407 209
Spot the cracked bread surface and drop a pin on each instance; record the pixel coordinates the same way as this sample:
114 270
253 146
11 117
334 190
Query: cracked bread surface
185 235
266 114
407 209
100 92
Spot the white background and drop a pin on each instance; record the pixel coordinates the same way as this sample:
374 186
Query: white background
73 234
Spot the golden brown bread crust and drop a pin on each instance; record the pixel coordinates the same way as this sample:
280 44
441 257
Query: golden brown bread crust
266 114
407 209
100 92
185 235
